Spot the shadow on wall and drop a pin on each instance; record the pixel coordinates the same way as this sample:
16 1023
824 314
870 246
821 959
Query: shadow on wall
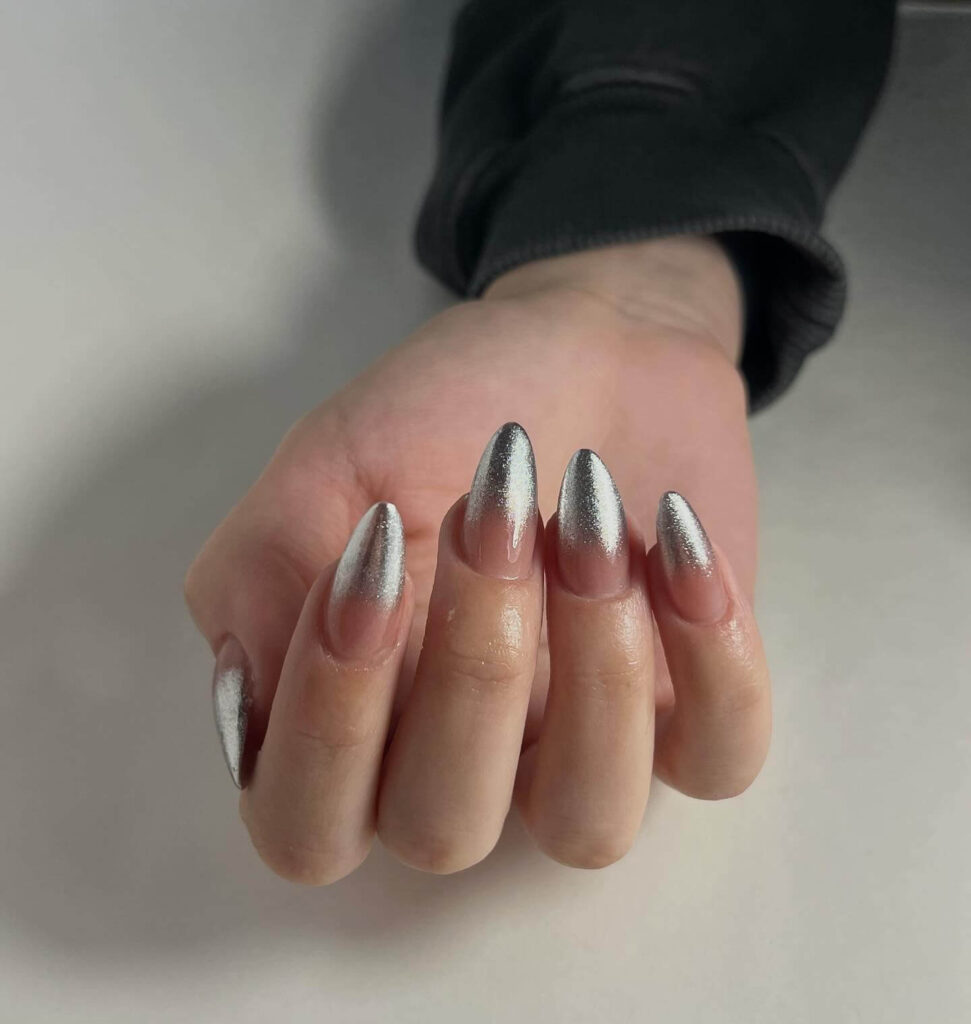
120 832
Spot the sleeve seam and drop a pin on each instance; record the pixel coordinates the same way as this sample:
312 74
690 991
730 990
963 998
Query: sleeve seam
776 226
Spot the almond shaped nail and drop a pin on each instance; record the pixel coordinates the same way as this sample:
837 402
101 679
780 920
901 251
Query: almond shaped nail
688 561
593 550
231 700
499 528
368 583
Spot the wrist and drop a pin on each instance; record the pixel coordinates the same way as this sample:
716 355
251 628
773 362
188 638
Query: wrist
684 283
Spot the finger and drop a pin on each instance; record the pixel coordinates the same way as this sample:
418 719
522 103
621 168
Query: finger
310 806
591 769
715 740
451 766
247 587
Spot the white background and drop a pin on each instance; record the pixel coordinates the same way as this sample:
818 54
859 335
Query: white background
205 216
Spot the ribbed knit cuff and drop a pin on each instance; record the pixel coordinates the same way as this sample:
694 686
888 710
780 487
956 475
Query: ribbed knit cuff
621 164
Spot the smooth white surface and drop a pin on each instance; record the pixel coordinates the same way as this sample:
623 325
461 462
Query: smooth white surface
205 216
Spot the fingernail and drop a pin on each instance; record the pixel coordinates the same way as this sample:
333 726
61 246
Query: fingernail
232 696
499 528
593 552
368 584
689 564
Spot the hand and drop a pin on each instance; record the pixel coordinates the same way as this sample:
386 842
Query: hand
628 350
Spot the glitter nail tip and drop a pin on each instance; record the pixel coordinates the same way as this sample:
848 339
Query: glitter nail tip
505 483
372 567
231 700
590 513
681 537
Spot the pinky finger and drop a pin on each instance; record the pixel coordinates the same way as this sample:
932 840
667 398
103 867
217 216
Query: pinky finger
714 742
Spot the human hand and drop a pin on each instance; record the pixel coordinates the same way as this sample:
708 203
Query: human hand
630 351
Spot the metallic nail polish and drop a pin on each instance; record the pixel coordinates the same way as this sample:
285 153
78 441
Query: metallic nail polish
232 698
688 560
368 584
499 528
593 550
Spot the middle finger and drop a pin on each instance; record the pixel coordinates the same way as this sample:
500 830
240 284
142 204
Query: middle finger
451 766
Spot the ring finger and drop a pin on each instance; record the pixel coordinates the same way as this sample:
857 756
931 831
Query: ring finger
584 786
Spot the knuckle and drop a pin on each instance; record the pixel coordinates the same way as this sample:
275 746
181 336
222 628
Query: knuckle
306 865
583 847
494 669
718 789
251 586
721 699
624 680
745 698
718 785
333 736
430 850
325 727
318 861
192 584
207 575
731 788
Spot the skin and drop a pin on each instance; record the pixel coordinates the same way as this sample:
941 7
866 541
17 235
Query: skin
629 350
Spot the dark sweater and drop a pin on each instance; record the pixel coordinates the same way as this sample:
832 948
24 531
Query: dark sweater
569 124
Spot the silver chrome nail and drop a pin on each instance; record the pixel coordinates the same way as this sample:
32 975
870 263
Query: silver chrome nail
231 701
590 513
681 537
373 564
505 482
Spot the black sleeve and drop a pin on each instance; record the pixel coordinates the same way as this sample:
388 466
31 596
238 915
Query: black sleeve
569 124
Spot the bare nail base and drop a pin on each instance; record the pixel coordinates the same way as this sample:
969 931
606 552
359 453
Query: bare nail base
231 701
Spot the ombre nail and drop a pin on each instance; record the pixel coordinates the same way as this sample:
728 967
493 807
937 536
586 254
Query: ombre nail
232 696
499 528
366 591
690 567
593 552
